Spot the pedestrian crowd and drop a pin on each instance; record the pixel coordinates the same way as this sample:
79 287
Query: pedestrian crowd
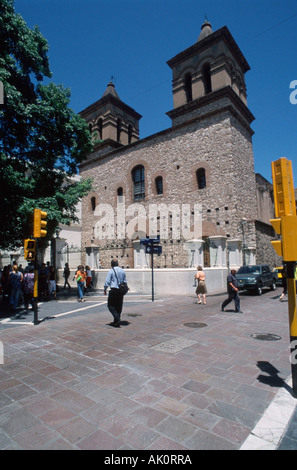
17 284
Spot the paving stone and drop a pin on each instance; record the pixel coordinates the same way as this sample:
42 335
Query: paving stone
176 429
203 440
100 440
83 385
14 420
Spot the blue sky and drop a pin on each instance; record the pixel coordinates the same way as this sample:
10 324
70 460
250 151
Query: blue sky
131 40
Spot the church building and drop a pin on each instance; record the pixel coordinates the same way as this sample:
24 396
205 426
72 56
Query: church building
200 170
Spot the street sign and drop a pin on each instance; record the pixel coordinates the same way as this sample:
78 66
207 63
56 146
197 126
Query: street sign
154 241
152 247
150 241
155 250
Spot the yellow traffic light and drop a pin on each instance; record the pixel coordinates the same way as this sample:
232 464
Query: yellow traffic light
286 226
277 244
283 187
39 223
30 249
285 209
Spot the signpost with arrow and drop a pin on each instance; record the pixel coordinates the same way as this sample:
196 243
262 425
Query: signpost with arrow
152 247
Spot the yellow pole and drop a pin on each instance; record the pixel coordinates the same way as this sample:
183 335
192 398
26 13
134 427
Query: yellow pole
35 294
292 306
291 286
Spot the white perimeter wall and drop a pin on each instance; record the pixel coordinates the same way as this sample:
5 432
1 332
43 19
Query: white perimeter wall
166 281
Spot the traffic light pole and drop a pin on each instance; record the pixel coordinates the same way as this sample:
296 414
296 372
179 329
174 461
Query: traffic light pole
291 286
285 224
39 226
153 292
35 295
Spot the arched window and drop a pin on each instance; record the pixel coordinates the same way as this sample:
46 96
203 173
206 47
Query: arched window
188 87
120 195
93 203
119 129
130 131
159 185
138 183
201 178
99 124
206 77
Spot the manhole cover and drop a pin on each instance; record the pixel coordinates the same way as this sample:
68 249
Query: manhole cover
174 345
266 336
133 314
195 325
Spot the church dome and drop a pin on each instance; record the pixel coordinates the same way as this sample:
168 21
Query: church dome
110 90
205 31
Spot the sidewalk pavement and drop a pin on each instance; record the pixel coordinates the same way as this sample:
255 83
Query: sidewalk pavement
175 376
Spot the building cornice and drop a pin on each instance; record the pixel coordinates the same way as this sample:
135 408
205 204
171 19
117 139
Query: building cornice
221 34
227 91
211 98
110 99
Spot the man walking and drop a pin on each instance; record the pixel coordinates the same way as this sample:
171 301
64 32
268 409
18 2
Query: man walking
114 278
232 286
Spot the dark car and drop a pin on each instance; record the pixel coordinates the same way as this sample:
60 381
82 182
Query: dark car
256 277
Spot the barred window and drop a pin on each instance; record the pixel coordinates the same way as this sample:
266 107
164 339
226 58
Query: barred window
138 183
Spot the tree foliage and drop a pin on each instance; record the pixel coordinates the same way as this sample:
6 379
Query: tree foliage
42 141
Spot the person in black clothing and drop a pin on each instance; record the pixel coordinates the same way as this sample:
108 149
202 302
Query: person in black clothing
66 275
233 290
115 276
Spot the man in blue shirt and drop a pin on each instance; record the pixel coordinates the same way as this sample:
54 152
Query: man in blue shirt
233 290
115 276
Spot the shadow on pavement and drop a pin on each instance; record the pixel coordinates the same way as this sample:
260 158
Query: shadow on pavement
272 378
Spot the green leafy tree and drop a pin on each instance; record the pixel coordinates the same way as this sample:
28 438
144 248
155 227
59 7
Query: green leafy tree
42 141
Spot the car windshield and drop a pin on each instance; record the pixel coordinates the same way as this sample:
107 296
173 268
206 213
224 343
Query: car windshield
249 270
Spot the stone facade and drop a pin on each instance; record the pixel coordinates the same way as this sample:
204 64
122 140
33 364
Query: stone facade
203 163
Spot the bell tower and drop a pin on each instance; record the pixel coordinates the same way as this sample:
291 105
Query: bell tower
112 122
205 72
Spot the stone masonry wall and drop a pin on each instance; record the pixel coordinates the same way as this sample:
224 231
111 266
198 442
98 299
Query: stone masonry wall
220 144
